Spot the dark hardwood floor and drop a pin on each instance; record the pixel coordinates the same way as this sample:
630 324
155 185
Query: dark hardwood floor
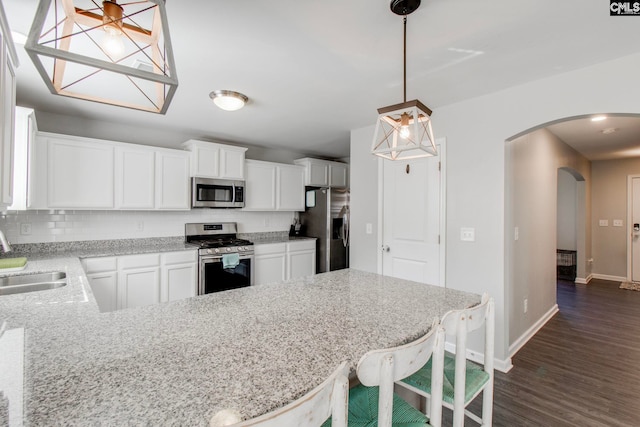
581 369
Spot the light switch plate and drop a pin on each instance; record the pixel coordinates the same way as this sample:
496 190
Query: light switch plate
603 223
617 223
369 228
467 234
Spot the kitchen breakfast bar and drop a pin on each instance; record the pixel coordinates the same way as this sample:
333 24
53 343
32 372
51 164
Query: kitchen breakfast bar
251 350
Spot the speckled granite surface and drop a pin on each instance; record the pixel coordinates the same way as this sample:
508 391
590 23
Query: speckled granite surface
271 237
96 248
251 349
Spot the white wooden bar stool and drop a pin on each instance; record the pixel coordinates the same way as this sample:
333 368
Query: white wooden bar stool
328 400
374 402
463 379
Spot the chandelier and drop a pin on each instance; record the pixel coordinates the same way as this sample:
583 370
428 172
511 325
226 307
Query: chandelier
104 51
403 131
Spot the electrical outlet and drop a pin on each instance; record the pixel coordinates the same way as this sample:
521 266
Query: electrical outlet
603 223
526 305
25 229
468 234
617 223
516 233
140 225
369 228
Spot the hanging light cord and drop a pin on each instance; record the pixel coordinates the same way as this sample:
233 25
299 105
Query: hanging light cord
404 79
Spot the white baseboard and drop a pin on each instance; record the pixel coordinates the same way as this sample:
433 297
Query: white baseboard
517 345
583 281
498 364
608 277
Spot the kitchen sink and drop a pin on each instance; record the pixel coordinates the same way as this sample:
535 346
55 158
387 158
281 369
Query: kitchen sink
22 283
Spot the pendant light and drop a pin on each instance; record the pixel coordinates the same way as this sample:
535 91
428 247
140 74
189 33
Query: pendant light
111 51
403 131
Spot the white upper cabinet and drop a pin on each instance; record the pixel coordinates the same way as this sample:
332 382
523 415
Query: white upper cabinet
80 174
273 186
338 174
324 173
290 190
8 62
135 178
69 172
260 185
213 160
172 180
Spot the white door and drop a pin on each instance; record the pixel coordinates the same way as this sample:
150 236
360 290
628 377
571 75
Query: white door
411 220
635 231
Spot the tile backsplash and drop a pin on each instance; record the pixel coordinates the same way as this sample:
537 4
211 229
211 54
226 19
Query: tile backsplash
69 225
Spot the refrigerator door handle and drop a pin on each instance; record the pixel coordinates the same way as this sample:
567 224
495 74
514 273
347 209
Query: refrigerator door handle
345 229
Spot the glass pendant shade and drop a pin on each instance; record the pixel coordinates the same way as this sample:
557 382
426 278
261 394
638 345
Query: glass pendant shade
403 131
104 51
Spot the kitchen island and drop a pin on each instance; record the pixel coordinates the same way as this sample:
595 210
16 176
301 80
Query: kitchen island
251 350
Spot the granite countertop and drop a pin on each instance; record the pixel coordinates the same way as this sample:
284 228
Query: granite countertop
98 248
252 349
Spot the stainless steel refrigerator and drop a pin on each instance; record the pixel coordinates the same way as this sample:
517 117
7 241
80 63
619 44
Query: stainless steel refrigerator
326 217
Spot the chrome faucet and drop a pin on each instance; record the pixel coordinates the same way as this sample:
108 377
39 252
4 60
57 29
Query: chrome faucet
6 247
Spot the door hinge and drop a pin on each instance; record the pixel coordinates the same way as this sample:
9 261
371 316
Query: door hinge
439 166
438 239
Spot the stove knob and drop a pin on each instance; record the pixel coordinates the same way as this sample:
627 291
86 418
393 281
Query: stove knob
228 249
242 248
217 251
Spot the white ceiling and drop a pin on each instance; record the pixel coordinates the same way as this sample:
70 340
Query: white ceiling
316 69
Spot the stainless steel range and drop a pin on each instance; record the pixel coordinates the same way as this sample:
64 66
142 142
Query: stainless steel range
225 262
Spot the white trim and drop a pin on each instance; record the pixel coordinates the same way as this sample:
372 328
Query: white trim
629 225
609 277
380 212
442 142
524 338
583 281
498 364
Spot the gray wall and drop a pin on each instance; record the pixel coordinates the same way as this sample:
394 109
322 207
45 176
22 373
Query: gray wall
610 202
477 182
364 201
534 162
567 199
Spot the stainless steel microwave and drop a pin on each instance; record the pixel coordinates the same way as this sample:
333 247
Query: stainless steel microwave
216 193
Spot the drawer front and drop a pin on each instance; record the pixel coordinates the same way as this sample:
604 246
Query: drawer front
269 248
99 265
180 257
301 245
139 261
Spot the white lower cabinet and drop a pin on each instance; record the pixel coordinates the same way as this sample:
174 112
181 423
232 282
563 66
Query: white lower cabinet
139 280
103 279
301 258
276 262
270 263
179 275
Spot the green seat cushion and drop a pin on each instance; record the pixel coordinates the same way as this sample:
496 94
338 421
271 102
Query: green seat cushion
363 410
475 379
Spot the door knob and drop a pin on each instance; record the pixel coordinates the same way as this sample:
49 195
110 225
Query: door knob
386 248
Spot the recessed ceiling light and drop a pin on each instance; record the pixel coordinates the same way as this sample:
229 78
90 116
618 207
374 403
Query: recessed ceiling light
607 131
598 118
228 100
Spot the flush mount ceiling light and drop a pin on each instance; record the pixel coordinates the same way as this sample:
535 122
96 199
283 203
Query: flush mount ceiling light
88 49
598 118
228 100
403 131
